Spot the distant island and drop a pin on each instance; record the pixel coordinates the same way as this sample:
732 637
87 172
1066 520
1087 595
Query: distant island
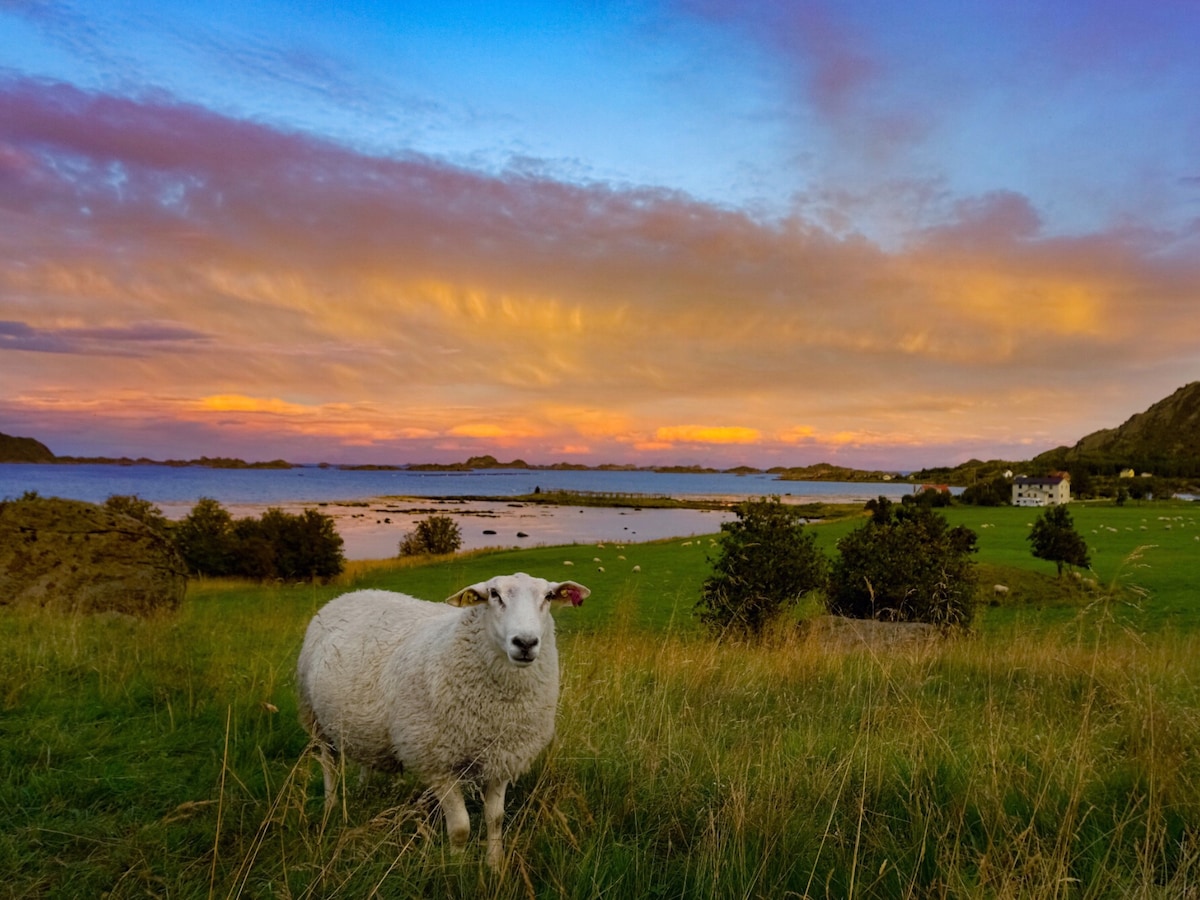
1163 442
28 450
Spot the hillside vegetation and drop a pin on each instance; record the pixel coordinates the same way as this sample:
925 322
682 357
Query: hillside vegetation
1165 439
23 450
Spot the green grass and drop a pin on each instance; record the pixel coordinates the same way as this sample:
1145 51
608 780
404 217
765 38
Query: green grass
1038 758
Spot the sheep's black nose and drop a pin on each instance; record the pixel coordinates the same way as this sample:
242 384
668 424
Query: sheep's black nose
525 644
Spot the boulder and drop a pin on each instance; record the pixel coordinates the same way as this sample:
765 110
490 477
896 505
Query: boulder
843 632
72 556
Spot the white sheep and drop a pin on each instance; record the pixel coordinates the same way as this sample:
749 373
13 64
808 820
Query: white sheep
455 695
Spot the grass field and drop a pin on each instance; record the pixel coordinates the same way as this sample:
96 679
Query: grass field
1055 753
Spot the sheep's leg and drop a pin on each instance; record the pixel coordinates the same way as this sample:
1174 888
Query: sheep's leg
493 813
454 808
329 771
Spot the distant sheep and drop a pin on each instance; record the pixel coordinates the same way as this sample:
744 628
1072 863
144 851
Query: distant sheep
455 695
1000 590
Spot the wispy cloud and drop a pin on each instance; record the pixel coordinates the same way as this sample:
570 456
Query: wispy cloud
127 340
420 308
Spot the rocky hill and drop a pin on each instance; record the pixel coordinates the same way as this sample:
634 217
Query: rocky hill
23 449
79 557
1163 440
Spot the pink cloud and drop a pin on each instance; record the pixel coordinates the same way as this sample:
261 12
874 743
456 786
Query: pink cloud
410 306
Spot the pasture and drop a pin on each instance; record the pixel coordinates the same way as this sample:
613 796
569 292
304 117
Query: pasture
1054 753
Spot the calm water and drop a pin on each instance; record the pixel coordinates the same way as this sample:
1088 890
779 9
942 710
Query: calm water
373 531
266 487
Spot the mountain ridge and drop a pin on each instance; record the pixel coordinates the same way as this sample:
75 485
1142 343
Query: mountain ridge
1164 439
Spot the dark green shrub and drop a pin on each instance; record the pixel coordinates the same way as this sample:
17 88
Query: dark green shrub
205 539
766 563
304 547
279 545
906 565
434 536
997 492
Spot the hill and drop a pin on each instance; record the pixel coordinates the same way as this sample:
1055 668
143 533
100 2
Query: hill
1163 440
23 449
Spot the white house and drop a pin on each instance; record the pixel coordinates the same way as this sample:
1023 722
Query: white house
1049 491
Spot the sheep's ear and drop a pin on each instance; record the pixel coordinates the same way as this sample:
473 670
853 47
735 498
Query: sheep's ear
469 596
569 592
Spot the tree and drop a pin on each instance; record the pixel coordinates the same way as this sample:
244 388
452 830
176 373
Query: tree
434 536
288 546
1054 538
766 563
277 545
996 492
905 564
205 539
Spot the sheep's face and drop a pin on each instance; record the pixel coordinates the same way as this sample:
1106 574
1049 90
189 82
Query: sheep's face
519 611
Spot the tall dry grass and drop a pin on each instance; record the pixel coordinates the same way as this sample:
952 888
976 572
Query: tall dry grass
164 758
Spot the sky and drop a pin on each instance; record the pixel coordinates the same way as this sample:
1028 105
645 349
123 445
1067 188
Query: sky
704 232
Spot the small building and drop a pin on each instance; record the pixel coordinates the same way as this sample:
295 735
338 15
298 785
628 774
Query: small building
1049 491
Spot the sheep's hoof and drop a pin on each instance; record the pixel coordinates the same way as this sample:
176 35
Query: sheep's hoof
495 857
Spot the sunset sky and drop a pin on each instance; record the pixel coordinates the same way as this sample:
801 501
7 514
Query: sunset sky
703 231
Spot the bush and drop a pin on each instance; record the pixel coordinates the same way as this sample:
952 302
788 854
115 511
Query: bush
205 539
905 565
277 545
767 562
433 536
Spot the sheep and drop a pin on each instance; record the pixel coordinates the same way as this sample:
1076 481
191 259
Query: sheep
454 695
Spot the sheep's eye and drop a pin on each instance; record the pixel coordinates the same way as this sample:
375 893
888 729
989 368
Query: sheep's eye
495 595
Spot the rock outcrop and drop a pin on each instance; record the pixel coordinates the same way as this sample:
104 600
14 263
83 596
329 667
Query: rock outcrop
853 634
72 556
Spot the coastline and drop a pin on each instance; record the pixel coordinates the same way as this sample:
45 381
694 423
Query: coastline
373 529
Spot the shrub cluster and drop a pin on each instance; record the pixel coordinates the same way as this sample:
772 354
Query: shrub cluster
278 545
905 564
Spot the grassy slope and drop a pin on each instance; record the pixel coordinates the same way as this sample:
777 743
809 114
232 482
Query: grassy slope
164 757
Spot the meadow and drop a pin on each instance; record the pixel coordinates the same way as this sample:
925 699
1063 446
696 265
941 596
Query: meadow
1055 752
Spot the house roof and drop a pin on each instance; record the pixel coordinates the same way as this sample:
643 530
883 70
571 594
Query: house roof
1049 481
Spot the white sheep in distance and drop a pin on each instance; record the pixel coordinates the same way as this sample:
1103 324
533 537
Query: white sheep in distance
456 695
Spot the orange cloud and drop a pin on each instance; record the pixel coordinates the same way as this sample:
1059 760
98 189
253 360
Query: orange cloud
415 305
242 403
797 435
707 434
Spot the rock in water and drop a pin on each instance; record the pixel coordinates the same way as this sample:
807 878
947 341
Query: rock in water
72 556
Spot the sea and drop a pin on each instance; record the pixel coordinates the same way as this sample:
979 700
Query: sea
374 508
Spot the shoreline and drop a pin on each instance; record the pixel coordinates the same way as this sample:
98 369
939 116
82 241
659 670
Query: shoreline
372 529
